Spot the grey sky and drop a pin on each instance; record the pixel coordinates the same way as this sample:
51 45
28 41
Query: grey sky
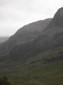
16 13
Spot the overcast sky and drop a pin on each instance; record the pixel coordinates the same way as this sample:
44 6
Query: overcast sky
16 13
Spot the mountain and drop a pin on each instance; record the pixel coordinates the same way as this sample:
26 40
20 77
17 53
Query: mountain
24 34
3 39
38 61
57 20
51 38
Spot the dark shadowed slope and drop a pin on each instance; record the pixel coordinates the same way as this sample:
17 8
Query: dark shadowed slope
25 34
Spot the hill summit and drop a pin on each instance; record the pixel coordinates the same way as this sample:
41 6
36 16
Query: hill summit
58 18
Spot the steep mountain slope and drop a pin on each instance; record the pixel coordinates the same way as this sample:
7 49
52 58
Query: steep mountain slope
25 34
50 39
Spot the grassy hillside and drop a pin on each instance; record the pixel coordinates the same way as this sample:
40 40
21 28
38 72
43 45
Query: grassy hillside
45 69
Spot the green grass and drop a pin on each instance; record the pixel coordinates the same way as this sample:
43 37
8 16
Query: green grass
36 70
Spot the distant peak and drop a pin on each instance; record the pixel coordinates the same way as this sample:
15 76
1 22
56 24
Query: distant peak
59 13
58 18
60 9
